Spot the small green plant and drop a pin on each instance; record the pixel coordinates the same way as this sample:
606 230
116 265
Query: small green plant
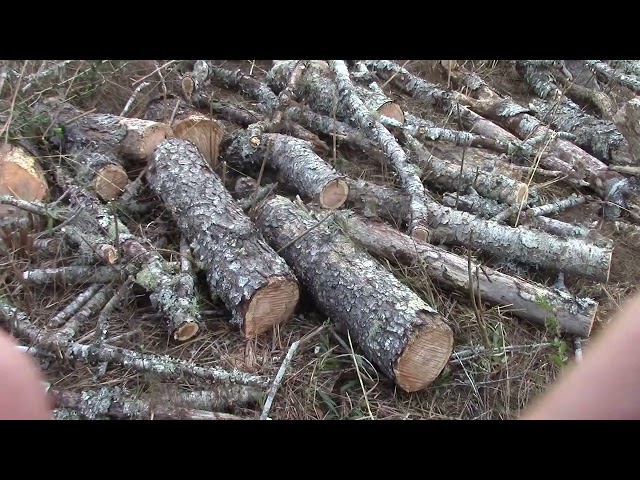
560 356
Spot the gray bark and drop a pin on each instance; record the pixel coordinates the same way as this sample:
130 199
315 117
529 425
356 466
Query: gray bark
631 232
453 227
629 81
76 304
255 284
92 248
599 137
98 143
451 176
73 275
296 163
113 403
359 115
557 206
84 316
152 271
521 298
627 119
395 328
162 365
539 78
562 154
587 97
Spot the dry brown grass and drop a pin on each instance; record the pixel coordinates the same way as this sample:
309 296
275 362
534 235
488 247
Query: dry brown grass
325 379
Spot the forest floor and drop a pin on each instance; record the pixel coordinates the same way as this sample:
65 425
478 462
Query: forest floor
325 379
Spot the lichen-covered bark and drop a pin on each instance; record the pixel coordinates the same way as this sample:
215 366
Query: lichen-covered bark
113 403
523 299
561 154
98 143
425 130
629 81
361 117
539 78
599 137
321 91
449 226
72 307
556 206
381 314
240 266
73 275
91 248
296 163
84 316
162 365
152 271
627 119
451 176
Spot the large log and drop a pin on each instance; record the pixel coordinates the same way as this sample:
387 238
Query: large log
99 143
627 119
449 226
21 177
396 329
201 130
521 298
254 282
295 161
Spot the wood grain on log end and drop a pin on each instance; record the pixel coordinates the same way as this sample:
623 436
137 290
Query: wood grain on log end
143 136
522 194
108 253
204 132
334 194
424 357
272 305
186 331
392 110
421 233
110 182
20 176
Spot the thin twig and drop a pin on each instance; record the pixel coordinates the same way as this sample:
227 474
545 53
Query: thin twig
132 98
364 392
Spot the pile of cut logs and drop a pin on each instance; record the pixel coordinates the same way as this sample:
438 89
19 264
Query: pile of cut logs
261 244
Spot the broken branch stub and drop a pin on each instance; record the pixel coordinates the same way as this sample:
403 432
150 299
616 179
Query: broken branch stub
397 330
255 284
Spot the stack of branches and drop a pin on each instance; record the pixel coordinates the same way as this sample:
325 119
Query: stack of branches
261 213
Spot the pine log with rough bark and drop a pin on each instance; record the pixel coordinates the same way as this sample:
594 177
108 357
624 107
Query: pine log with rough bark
521 298
560 155
453 227
396 329
254 282
21 176
295 162
202 130
99 143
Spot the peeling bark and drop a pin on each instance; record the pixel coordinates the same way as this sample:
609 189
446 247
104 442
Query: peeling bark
112 403
521 298
99 142
21 177
396 329
256 285
201 130
161 365
599 137
453 227
295 162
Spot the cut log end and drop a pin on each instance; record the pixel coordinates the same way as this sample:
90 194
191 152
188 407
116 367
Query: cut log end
108 253
143 137
421 233
20 176
424 357
110 182
186 331
392 110
205 133
334 194
522 194
272 305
